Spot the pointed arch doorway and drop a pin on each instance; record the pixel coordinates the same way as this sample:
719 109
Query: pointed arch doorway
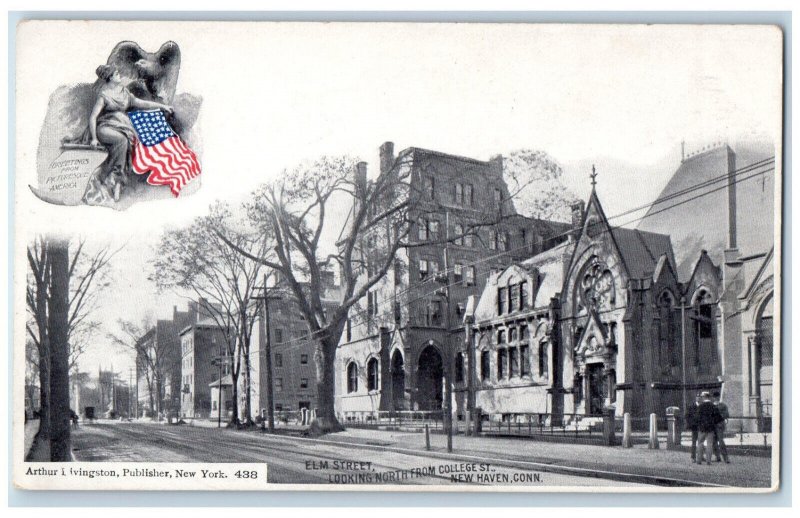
398 381
430 375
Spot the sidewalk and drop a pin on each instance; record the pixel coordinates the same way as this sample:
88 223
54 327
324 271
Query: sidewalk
608 462
35 451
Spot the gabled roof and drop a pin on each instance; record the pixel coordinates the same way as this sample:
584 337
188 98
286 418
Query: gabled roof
641 250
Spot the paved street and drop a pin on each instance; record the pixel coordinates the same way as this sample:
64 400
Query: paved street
397 457
296 460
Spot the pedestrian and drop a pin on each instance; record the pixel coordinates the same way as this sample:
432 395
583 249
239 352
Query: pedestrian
708 417
691 422
719 434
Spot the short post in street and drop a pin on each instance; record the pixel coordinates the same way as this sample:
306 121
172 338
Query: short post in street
609 437
673 428
627 440
427 438
652 442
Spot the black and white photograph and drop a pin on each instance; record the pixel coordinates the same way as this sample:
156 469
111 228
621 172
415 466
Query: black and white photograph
420 256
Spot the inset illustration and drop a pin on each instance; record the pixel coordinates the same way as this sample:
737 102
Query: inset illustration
125 138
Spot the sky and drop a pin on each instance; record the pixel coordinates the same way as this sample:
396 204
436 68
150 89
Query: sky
620 97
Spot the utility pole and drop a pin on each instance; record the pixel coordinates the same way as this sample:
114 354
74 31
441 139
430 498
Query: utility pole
267 340
448 361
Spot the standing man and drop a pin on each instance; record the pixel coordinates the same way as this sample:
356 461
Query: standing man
708 417
691 423
719 433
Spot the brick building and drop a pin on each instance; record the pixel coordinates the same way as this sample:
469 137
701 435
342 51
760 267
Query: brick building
400 338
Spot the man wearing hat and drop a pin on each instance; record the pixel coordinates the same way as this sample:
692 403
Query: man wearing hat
708 417
719 434
691 423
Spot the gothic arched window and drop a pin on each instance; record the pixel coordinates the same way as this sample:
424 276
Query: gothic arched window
666 331
459 368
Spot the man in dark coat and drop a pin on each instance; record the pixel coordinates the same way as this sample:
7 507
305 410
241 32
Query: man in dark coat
691 422
719 436
708 417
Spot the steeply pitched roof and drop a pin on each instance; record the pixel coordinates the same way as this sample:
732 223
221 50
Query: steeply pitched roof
640 250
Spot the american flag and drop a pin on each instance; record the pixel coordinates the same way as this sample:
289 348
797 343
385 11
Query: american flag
160 152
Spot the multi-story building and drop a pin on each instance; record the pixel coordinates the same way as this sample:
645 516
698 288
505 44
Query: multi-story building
294 372
203 348
162 342
399 339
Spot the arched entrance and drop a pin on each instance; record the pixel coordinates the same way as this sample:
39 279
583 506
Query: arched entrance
398 381
429 379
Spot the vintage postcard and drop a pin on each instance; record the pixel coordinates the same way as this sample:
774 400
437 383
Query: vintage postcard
393 256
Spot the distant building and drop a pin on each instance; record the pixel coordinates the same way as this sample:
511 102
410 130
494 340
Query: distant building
293 369
162 339
202 345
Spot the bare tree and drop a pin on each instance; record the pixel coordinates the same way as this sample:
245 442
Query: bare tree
198 259
87 276
151 355
384 213
535 185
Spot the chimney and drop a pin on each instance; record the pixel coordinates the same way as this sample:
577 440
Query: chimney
361 177
387 156
731 156
497 165
578 208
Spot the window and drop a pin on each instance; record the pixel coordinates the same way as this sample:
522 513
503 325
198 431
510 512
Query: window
349 330
503 241
492 240
458 272
513 360
498 197
430 187
422 229
459 368
502 368
469 275
485 368
279 335
459 197
433 229
512 335
352 377
459 231
468 196
372 303
278 384
433 315
501 337
303 359
523 295
278 360
502 294
303 383
372 374
523 333
513 302
469 239
525 360
543 361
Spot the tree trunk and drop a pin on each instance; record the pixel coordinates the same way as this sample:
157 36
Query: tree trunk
44 396
60 449
235 370
325 360
248 409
